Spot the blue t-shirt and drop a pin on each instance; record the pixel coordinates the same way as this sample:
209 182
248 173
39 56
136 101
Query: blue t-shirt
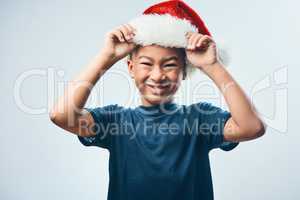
159 152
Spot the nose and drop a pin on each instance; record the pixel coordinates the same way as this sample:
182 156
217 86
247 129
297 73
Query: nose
157 74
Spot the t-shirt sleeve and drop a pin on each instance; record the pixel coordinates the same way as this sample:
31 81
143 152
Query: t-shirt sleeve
106 119
213 120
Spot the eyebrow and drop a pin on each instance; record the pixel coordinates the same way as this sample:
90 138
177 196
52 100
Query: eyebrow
163 60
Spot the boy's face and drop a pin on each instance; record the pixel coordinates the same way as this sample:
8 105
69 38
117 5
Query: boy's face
157 72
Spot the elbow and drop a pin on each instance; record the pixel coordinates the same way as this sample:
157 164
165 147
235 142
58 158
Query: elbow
55 117
61 120
258 129
52 115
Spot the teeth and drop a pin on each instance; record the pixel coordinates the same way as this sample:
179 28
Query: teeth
159 86
162 85
158 91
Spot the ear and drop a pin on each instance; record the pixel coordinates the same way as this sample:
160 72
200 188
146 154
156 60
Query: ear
130 67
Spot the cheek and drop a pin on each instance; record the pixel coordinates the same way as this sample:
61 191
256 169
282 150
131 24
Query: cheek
139 79
175 78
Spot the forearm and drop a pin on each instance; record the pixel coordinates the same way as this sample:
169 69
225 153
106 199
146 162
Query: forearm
77 91
240 107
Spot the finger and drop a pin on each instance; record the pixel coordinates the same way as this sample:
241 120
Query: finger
117 33
204 42
195 41
189 42
131 31
121 30
126 32
188 35
192 41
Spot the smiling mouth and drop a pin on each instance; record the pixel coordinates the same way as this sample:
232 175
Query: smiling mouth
158 89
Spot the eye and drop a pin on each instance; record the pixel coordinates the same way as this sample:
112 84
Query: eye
145 63
171 65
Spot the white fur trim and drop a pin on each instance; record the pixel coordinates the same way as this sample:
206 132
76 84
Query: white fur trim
164 30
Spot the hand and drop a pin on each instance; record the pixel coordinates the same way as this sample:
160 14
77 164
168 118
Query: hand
118 42
201 51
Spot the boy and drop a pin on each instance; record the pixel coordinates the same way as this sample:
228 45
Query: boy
159 150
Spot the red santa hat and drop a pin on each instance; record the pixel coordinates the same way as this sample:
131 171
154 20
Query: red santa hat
166 24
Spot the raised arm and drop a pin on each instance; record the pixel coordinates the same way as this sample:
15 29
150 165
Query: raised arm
244 123
68 112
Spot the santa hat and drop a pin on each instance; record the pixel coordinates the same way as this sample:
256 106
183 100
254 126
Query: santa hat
166 24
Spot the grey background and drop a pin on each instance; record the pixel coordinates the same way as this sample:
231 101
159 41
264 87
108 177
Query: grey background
41 161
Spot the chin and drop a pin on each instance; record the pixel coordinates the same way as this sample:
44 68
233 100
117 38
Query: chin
155 99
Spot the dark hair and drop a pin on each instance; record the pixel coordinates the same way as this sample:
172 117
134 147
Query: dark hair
181 51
